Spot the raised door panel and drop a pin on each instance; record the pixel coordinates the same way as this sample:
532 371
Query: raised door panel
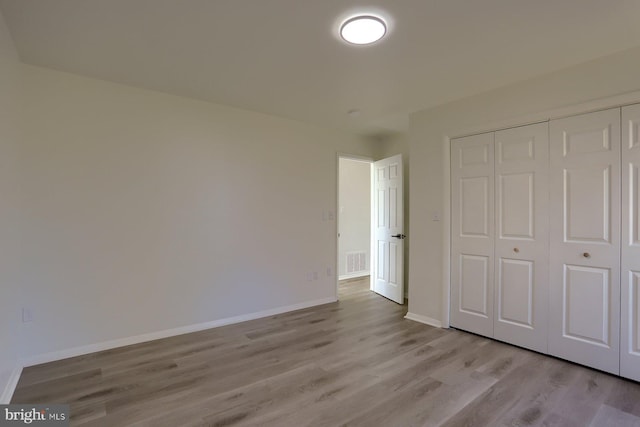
473 154
631 330
381 177
472 277
474 205
515 293
586 301
521 246
393 279
584 262
588 139
516 205
382 264
587 204
630 289
474 285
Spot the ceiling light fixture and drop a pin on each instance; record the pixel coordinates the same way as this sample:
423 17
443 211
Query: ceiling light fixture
363 29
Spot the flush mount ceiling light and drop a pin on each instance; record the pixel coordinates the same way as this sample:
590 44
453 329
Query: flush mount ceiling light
363 29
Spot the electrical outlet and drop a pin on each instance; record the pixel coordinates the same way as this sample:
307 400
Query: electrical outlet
27 315
309 276
329 272
315 275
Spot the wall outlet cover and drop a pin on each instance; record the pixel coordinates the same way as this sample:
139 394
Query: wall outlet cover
27 315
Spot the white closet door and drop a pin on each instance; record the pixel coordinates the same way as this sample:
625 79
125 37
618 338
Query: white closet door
585 239
472 182
521 246
630 320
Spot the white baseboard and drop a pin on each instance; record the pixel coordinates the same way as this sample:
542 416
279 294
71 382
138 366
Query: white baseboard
354 275
7 394
424 319
107 345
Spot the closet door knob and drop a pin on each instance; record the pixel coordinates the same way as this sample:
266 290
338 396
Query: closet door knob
586 255
516 250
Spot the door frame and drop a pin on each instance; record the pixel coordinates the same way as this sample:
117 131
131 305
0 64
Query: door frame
529 119
365 159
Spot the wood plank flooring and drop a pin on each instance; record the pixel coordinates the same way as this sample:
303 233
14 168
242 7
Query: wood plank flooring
356 362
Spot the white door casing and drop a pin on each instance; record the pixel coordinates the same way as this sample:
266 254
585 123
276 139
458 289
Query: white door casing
521 240
472 229
584 263
630 273
388 245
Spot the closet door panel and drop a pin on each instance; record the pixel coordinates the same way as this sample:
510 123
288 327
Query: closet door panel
515 296
630 288
586 293
585 239
472 206
521 246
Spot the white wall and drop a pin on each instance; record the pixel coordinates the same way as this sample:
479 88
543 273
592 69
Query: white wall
516 104
147 211
354 213
9 219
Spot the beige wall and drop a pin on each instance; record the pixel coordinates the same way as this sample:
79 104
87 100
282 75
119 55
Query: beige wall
147 212
512 105
9 204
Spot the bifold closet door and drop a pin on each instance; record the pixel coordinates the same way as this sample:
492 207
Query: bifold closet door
472 226
630 320
585 239
521 241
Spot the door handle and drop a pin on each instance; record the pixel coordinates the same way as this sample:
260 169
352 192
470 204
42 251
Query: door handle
399 236
586 255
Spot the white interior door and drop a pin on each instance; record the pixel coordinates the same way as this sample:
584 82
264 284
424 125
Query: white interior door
521 241
388 242
472 228
585 239
630 286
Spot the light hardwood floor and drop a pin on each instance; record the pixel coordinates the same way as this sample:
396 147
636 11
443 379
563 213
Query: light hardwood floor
356 362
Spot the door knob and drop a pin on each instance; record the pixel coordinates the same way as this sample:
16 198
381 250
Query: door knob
586 255
399 236
516 250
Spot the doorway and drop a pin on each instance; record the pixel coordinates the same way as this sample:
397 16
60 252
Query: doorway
354 218
371 224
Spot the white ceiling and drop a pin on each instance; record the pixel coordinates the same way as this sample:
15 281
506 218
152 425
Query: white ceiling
283 57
